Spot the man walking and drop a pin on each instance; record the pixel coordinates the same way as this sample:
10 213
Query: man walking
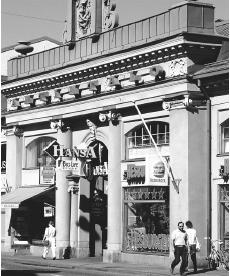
179 240
50 234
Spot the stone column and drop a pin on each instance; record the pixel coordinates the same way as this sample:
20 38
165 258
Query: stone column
14 139
188 152
114 240
14 148
62 216
74 189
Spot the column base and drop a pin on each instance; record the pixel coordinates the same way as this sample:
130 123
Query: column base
79 252
63 252
111 256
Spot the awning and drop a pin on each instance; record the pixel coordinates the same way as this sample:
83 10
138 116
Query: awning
14 198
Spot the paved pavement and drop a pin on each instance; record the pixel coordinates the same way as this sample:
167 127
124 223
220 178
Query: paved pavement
95 266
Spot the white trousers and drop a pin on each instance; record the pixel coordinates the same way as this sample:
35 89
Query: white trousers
52 246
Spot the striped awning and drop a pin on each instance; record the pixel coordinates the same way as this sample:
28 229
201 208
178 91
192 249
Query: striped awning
14 198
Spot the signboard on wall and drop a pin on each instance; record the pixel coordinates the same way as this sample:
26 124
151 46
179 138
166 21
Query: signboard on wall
48 211
151 172
156 173
133 173
72 165
47 174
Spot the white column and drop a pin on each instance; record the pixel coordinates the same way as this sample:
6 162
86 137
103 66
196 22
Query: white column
14 148
74 189
64 138
114 241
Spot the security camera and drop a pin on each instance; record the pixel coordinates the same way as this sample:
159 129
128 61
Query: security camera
102 117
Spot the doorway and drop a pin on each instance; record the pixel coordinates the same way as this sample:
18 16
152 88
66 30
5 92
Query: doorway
98 200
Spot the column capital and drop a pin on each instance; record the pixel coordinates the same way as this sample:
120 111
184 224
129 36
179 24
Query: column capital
59 125
73 185
15 130
188 102
110 116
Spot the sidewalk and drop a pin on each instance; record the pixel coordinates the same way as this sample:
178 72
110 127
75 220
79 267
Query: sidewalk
95 265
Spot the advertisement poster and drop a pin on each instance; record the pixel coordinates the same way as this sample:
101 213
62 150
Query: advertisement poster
47 175
156 173
133 173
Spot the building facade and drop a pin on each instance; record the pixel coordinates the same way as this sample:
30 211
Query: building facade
117 135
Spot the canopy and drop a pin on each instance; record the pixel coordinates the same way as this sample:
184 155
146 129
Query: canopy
14 198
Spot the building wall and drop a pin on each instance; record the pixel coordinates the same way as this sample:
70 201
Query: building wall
220 112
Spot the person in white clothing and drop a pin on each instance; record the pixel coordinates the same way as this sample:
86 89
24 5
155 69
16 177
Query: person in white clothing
50 234
192 240
179 240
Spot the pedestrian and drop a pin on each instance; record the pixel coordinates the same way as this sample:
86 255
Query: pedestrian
179 239
49 235
192 242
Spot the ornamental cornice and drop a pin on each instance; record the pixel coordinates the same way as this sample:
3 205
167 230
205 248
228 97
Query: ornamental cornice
155 65
123 64
140 58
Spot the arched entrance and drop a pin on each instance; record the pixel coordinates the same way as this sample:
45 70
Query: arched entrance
97 174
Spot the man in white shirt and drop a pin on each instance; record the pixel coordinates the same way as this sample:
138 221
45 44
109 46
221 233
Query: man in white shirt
179 239
50 234
192 243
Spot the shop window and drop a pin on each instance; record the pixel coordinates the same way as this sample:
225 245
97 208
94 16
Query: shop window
224 214
224 130
35 156
140 138
146 216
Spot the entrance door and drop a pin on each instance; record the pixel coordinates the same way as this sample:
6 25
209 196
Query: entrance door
98 201
224 214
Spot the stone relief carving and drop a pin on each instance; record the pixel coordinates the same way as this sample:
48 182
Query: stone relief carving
110 17
92 128
83 17
177 67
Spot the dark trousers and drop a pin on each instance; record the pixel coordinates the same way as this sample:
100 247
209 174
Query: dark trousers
192 249
180 252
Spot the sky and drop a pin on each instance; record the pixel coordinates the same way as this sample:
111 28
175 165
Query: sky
31 19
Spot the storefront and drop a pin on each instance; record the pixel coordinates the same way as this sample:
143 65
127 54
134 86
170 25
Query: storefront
114 134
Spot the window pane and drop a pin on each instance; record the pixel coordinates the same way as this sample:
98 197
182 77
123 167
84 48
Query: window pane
226 146
139 141
159 132
146 140
147 225
131 142
226 132
35 154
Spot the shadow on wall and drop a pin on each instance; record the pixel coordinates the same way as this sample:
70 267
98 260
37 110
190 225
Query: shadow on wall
85 225
84 204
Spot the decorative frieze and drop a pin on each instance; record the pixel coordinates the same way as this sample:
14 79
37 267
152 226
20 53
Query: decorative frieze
177 67
83 87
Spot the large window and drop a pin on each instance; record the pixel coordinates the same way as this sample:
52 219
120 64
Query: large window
225 137
146 213
35 155
140 138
